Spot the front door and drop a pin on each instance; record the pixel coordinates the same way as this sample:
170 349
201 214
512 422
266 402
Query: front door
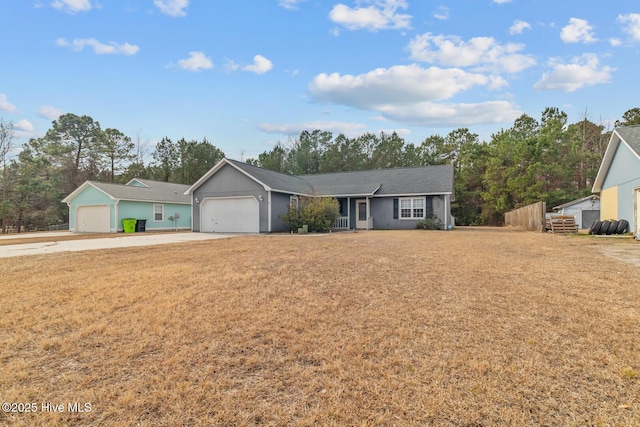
361 214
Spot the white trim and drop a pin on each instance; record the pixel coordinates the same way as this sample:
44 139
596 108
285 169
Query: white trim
138 181
607 159
268 213
115 220
166 202
407 195
447 209
424 208
153 213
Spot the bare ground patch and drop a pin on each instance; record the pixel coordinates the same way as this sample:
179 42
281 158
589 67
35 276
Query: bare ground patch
475 327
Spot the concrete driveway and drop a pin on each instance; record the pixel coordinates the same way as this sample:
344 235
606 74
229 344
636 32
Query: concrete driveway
138 239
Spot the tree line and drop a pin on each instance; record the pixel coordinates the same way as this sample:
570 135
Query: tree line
535 159
76 149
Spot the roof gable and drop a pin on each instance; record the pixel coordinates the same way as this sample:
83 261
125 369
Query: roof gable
592 199
270 180
630 137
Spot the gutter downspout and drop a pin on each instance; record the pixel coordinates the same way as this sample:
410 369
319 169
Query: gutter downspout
447 210
269 210
115 229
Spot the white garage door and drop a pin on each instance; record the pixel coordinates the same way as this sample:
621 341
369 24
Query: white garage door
230 215
94 219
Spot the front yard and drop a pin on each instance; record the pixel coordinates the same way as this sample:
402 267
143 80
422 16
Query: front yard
475 327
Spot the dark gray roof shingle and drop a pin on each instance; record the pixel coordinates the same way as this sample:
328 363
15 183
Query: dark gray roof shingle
631 135
414 180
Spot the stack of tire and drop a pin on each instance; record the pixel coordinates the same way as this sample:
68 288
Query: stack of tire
608 227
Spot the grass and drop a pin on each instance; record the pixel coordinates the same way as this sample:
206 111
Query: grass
476 327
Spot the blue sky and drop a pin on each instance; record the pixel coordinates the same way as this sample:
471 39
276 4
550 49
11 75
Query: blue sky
247 74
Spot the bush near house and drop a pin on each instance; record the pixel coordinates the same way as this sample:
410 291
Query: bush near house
318 213
431 222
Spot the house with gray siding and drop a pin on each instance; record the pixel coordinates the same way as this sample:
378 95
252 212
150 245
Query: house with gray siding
100 207
237 197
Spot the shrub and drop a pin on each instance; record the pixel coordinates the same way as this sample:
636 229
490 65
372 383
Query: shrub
431 222
318 213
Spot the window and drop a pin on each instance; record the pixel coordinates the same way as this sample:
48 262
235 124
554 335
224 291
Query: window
293 201
412 208
158 213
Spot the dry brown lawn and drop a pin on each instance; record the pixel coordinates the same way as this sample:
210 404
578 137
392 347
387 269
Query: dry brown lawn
475 327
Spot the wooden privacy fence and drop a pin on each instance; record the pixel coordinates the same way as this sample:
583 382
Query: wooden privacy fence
529 217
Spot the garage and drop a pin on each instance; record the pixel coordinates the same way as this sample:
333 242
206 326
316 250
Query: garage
93 219
230 215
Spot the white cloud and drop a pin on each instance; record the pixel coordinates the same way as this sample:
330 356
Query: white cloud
632 24
5 105
289 4
174 8
23 126
49 112
196 61
349 129
378 15
582 71
398 84
518 27
410 94
441 13
615 42
578 30
482 53
260 65
98 47
502 1
72 6
461 114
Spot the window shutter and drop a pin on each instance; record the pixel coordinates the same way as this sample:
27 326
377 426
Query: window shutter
395 208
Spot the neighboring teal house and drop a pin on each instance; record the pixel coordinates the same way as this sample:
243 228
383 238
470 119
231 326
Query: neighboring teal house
618 180
100 207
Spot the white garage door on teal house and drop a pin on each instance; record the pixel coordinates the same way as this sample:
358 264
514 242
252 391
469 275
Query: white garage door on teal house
230 215
99 207
93 219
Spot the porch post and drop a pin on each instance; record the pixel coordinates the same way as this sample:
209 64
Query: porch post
368 212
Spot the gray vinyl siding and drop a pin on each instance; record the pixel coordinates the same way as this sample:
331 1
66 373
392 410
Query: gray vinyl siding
383 215
229 182
279 206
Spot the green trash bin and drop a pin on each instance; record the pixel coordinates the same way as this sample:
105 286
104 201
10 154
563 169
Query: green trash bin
129 225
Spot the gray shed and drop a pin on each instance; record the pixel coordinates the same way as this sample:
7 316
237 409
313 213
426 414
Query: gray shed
585 210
